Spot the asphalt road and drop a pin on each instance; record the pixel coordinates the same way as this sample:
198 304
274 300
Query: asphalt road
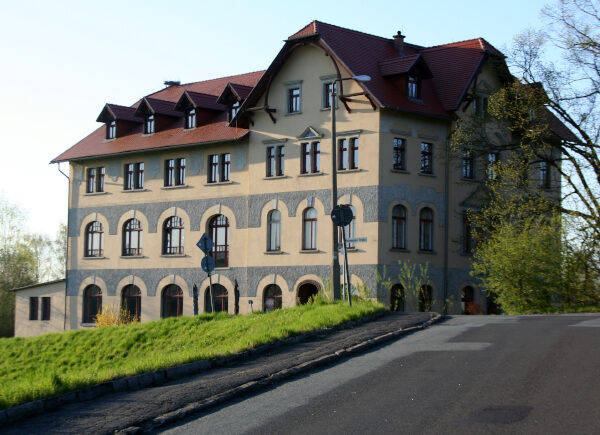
470 374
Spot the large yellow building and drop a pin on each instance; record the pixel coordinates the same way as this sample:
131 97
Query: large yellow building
247 160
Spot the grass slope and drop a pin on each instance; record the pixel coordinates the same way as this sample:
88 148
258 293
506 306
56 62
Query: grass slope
37 367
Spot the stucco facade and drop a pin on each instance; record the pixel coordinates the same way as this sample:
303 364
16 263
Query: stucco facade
39 309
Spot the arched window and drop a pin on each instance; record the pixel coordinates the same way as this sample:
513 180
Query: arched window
218 228
132 238
350 229
172 301
425 298
426 230
274 230
272 298
92 303
397 299
220 299
309 229
399 227
131 300
173 236
94 240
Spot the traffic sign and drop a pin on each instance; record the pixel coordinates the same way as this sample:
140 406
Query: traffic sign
208 264
205 243
341 215
356 239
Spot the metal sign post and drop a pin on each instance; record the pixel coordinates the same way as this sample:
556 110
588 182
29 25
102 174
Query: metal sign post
208 263
195 293
346 272
342 216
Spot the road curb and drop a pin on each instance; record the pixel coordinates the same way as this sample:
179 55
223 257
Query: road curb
160 376
268 380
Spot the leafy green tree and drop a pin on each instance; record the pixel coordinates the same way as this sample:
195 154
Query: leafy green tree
530 265
521 265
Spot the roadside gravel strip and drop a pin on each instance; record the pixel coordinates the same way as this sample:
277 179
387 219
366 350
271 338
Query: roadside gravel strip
155 399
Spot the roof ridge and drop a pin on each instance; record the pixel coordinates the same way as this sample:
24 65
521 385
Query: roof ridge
447 44
210 80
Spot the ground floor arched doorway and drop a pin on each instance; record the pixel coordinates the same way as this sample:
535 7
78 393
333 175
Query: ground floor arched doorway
306 291
397 298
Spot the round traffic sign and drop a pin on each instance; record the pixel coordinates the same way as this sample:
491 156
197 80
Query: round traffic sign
341 215
208 264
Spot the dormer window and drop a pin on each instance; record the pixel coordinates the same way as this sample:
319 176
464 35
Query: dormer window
111 130
235 107
149 125
413 88
190 119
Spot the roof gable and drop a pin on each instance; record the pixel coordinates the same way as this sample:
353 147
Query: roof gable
114 112
154 106
405 65
198 100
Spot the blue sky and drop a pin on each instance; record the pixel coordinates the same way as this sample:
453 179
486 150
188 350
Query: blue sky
63 60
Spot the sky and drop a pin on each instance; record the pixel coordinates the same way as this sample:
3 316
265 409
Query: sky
61 61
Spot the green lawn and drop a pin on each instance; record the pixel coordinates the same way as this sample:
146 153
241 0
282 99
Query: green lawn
37 367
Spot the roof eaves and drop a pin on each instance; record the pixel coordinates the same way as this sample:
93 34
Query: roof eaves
263 80
39 284
475 73
169 147
361 84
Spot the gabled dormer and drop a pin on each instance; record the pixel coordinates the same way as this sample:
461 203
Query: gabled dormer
407 72
156 114
119 120
233 96
198 108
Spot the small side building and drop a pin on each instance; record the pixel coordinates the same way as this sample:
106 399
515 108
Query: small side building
40 308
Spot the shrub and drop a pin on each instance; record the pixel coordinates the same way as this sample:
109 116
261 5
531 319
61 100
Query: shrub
111 317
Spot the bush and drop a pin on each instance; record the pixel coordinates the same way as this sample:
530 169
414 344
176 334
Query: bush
110 317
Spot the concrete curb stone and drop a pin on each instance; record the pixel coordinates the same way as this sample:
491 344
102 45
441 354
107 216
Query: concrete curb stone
161 376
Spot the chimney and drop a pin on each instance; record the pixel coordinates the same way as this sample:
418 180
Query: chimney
399 41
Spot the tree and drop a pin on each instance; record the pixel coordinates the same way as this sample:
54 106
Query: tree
24 259
551 110
531 265
545 121
16 263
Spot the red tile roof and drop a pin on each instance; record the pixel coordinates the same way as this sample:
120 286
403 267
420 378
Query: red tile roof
214 130
453 67
398 65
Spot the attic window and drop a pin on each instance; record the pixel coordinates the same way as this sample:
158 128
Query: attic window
149 125
111 130
413 88
235 107
190 119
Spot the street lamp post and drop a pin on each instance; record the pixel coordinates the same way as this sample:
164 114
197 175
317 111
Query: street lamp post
335 265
